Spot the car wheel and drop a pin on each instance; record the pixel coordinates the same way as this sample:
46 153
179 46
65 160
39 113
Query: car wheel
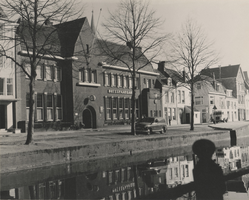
162 130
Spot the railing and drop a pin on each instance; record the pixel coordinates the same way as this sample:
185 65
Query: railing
181 190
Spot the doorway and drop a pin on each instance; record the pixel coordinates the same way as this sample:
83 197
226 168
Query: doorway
89 117
2 116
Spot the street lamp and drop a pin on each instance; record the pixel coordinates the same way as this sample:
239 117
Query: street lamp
214 108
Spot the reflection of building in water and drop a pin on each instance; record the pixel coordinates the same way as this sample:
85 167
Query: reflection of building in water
180 170
229 158
244 156
117 184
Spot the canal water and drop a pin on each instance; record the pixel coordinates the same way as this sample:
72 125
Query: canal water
135 176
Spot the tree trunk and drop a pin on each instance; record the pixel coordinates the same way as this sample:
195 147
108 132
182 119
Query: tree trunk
133 100
31 111
192 107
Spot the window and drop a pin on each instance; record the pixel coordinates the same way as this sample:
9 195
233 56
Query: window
149 83
176 171
183 96
130 82
137 83
39 107
126 108
49 72
39 72
172 97
169 82
174 113
198 85
171 173
119 81
228 104
27 106
57 74
112 80
179 96
125 82
59 107
166 97
1 86
211 99
136 107
114 108
228 116
50 107
121 108
186 171
105 79
198 100
9 86
234 105
108 108
28 70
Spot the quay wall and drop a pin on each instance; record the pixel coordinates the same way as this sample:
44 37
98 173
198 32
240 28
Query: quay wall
130 147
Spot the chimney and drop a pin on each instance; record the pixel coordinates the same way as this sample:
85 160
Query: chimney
161 66
48 22
129 44
214 81
92 23
219 72
184 75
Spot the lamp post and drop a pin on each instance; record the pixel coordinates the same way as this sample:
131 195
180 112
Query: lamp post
155 102
214 108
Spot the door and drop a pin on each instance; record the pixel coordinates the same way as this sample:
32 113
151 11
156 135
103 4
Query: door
89 117
188 118
2 116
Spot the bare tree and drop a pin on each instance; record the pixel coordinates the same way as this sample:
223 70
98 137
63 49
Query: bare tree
133 23
191 52
32 34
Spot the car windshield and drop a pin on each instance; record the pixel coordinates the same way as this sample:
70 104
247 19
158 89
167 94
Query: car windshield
149 119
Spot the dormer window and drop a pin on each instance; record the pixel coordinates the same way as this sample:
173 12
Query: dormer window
169 82
198 86
217 87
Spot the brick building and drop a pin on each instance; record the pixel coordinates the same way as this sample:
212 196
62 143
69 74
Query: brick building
98 89
48 96
233 79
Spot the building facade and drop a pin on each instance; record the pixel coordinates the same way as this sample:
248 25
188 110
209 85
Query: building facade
98 89
8 92
233 79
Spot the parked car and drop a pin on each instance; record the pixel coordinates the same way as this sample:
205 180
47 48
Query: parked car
151 124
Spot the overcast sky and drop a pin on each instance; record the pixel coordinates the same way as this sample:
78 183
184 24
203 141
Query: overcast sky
226 22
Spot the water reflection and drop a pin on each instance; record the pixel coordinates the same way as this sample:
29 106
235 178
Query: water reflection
124 182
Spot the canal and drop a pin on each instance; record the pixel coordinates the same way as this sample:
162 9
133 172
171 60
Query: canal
137 176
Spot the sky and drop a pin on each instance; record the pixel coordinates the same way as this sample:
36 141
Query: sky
225 22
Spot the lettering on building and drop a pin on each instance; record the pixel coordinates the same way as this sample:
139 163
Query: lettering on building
119 91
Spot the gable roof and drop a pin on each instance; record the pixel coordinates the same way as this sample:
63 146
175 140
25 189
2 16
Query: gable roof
68 33
47 40
222 72
113 54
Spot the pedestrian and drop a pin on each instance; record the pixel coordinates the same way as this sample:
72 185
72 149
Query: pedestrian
208 176
170 121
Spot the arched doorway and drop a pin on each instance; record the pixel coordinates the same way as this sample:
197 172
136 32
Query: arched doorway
89 117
